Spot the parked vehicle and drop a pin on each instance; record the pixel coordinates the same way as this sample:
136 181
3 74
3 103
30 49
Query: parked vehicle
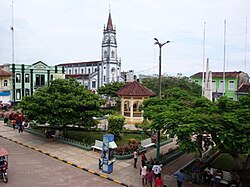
4 164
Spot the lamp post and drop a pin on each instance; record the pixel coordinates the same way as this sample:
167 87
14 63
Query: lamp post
158 131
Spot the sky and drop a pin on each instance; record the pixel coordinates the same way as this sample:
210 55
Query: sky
62 31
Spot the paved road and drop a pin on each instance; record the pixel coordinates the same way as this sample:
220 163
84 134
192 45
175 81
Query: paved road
29 168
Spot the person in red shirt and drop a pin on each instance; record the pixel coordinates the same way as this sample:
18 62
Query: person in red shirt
143 157
149 177
158 181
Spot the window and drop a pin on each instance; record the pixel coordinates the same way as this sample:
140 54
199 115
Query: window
231 85
27 78
18 94
112 54
18 78
69 71
27 92
93 84
40 80
221 86
82 71
75 71
196 81
104 78
89 70
213 86
51 77
5 83
105 54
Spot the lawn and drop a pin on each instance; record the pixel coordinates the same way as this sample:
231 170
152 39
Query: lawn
90 137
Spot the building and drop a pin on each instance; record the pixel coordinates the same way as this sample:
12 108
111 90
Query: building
27 78
233 80
5 86
94 74
132 97
128 76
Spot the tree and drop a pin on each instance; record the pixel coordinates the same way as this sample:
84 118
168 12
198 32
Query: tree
116 123
110 89
63 102
190 117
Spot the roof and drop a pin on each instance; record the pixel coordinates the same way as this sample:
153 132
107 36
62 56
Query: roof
109 24
78 76
244 88
233 74
4 73
76 63
135 89
3 152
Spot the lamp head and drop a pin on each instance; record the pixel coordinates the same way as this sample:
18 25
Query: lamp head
156 39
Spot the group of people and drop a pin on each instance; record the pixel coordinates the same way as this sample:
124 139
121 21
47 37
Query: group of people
17 120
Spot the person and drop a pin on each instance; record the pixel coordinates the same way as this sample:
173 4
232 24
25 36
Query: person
143 172
180 177
208 175
149 177
136 152
5 119
196 171
158 181
218 176
143 157
2 161
13 122
157 169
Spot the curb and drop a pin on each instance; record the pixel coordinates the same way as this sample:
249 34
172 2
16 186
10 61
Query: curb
68 162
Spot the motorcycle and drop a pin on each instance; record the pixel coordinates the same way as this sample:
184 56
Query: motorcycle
4 164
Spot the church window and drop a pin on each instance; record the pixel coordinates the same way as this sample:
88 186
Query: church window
27 78
93 84
105 53
75 71
112 54
89 70
18 78
82 71
5 83
104 78
69 71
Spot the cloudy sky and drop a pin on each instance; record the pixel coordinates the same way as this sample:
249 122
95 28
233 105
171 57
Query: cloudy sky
59 31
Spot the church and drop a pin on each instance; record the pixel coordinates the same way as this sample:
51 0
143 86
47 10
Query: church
94 74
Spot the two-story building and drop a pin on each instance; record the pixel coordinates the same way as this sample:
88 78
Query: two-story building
5 86
233 80
25 79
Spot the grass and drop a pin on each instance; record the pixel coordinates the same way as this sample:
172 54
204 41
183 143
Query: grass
125 137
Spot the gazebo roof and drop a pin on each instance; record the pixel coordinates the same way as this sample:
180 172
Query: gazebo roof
135 89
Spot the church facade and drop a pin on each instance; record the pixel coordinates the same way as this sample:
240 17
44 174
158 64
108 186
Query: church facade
94 74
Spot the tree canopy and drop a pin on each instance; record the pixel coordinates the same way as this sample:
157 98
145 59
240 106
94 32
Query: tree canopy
111 89
63 102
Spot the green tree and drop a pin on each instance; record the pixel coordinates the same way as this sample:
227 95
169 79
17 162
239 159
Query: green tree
62 103
115 124
189 117
110 89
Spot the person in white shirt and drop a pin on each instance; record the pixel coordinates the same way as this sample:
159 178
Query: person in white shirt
143 172
208 174
157 169
136 153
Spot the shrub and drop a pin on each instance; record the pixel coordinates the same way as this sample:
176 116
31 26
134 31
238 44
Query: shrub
116 123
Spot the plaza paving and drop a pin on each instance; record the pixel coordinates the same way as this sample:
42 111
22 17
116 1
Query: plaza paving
123 171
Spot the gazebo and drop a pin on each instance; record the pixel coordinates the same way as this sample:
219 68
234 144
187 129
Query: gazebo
132 96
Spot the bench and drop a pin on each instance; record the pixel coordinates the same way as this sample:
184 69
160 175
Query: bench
147 143
98 145
227 178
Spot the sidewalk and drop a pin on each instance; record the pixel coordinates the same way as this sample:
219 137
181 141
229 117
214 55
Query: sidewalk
124 173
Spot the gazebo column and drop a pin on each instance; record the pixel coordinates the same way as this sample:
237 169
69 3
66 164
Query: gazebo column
131 111
122 105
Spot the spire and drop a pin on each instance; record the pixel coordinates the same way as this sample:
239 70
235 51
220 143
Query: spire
109 24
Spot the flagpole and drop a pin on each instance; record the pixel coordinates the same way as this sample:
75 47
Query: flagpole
12 30
224 60
203 60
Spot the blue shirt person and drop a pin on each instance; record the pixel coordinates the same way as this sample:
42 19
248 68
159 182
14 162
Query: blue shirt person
180 176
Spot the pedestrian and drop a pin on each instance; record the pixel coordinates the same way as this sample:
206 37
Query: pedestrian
136 153
143 157
157 168
208 174
149 177
143 172
218 176
196 168
5 119
13 122
158 181
180 177
19 121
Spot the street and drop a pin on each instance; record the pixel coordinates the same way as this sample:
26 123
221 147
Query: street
30 168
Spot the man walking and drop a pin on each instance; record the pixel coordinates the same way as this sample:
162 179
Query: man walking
180 177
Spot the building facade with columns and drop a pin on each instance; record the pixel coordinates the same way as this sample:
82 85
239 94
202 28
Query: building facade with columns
94 74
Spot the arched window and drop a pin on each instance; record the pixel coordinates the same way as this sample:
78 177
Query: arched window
112 54
5 83
126 106
105 53
136 106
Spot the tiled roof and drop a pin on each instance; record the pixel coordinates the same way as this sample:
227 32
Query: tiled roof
244 88
219 74
135 89
4 73
76 63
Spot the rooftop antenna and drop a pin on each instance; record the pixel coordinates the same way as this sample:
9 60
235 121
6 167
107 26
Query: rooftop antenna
12 31
224 59
203 60
245 62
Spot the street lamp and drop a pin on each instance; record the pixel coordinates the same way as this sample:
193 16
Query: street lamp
158 131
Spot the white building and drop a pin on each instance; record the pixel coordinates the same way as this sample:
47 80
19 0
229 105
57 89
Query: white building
94 74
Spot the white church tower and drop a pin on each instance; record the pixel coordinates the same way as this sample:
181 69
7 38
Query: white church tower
111 66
